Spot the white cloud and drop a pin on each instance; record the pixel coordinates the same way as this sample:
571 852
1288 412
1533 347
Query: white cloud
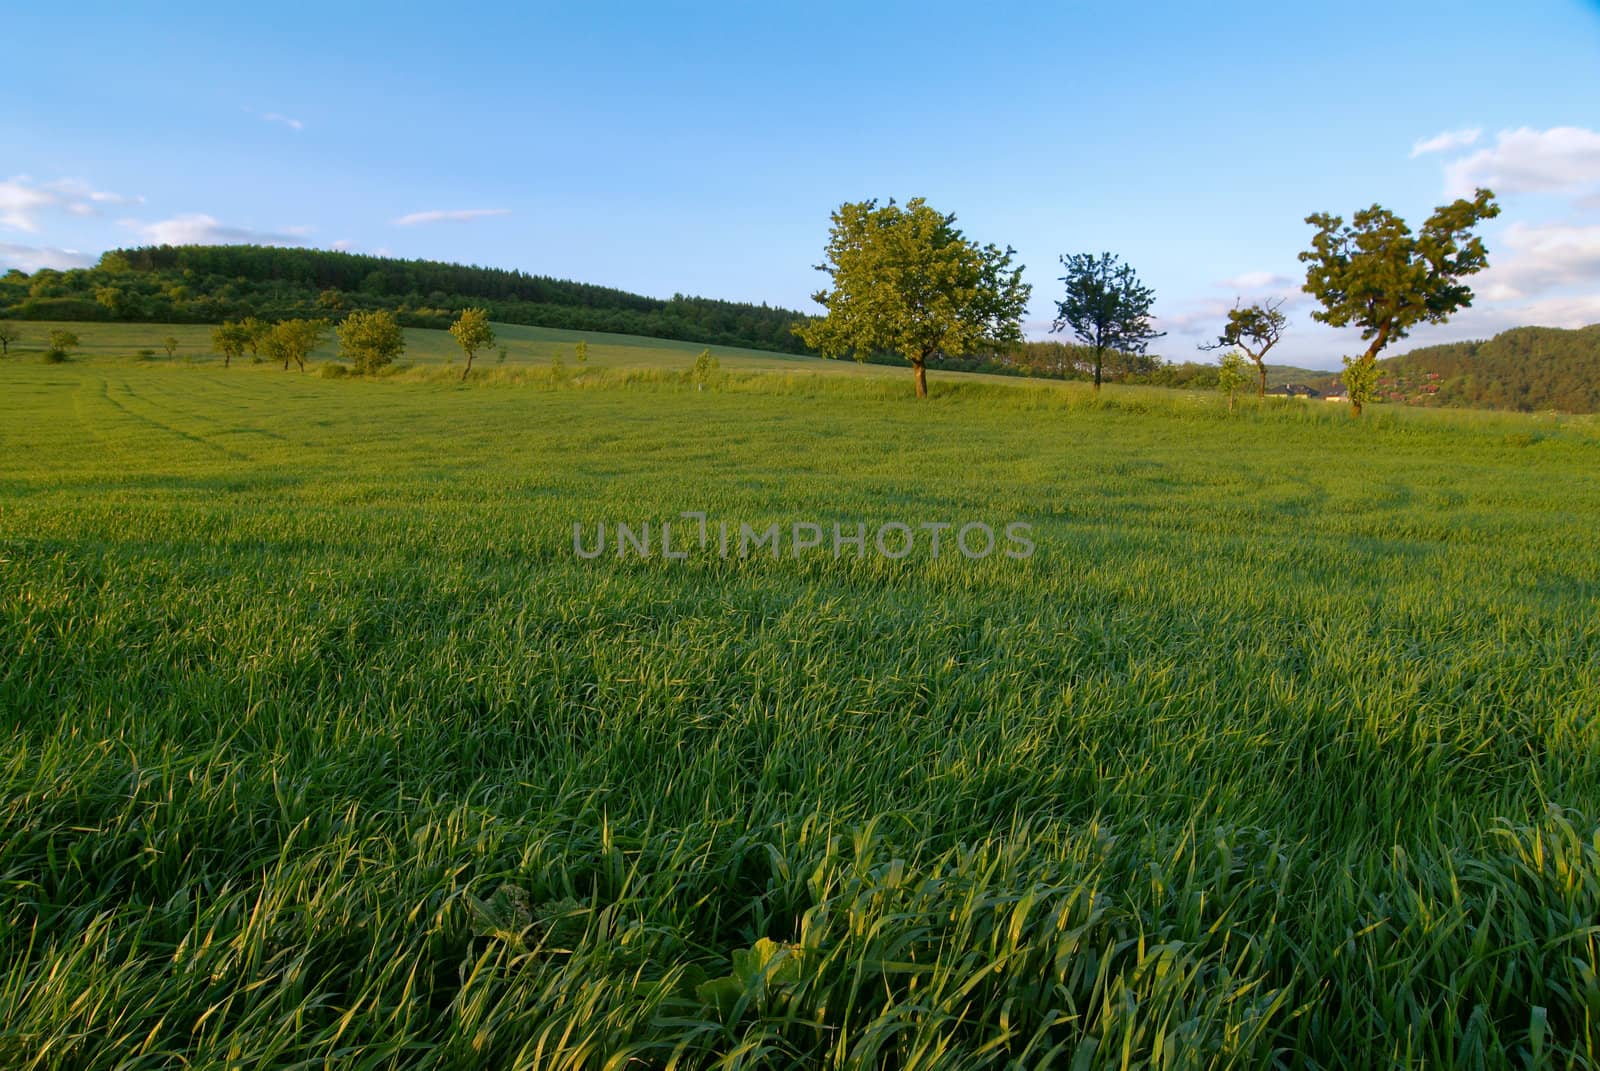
1561 159
343 245
274 117
197 228
23 201
31 258
452 215
1542 257
1450 139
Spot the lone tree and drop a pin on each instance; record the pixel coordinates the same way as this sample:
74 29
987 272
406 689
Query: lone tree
1106 307
230 340
1253 330
1376 275
8 335
170 344
293 340
371 340
473 333
906 281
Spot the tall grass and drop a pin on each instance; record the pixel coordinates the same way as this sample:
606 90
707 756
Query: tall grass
324 748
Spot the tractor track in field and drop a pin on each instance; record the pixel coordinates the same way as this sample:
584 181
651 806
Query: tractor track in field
149 421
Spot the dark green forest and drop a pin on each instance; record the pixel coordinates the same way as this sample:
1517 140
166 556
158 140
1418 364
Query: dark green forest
209 284
1529 369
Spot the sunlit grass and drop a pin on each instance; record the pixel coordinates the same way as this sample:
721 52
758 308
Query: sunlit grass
324 748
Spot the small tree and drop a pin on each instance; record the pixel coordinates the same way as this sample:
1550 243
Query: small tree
1360 378
1232 375
229 340
62 343
1105 306
293 340
170 344
1376 275
472 332
906 281
582 349
8 335
371 340
1253 330
705 366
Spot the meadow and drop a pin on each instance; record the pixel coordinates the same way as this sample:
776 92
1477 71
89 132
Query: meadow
325 749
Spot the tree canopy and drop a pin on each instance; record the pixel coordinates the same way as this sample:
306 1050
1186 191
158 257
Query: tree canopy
1375 274
293 340
371 340
907 281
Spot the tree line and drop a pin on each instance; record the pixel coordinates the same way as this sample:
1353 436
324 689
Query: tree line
209 284
906 280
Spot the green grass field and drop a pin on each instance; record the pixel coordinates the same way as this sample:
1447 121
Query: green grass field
325 749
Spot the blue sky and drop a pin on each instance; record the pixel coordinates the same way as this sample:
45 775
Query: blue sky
699 148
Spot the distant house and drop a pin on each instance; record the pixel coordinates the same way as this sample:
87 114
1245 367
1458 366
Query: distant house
1337 394
1294 390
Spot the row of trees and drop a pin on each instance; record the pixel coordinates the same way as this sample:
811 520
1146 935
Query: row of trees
905 280
369 340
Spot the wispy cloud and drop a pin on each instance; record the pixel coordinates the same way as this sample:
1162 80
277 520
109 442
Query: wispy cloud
1450 139
31 258
1257 280
275 117
197 228
1563 159
449 215
23 201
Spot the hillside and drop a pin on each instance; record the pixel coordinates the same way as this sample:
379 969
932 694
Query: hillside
208 284
1526 369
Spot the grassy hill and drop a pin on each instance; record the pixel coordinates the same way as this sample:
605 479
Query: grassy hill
324 744
207 284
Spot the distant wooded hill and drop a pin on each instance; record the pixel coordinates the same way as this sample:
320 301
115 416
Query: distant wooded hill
208 284
1526 368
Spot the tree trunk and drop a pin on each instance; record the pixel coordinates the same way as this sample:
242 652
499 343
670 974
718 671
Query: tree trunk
1261 388
1378 342
467 370
921 368
1371 358
1097 363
